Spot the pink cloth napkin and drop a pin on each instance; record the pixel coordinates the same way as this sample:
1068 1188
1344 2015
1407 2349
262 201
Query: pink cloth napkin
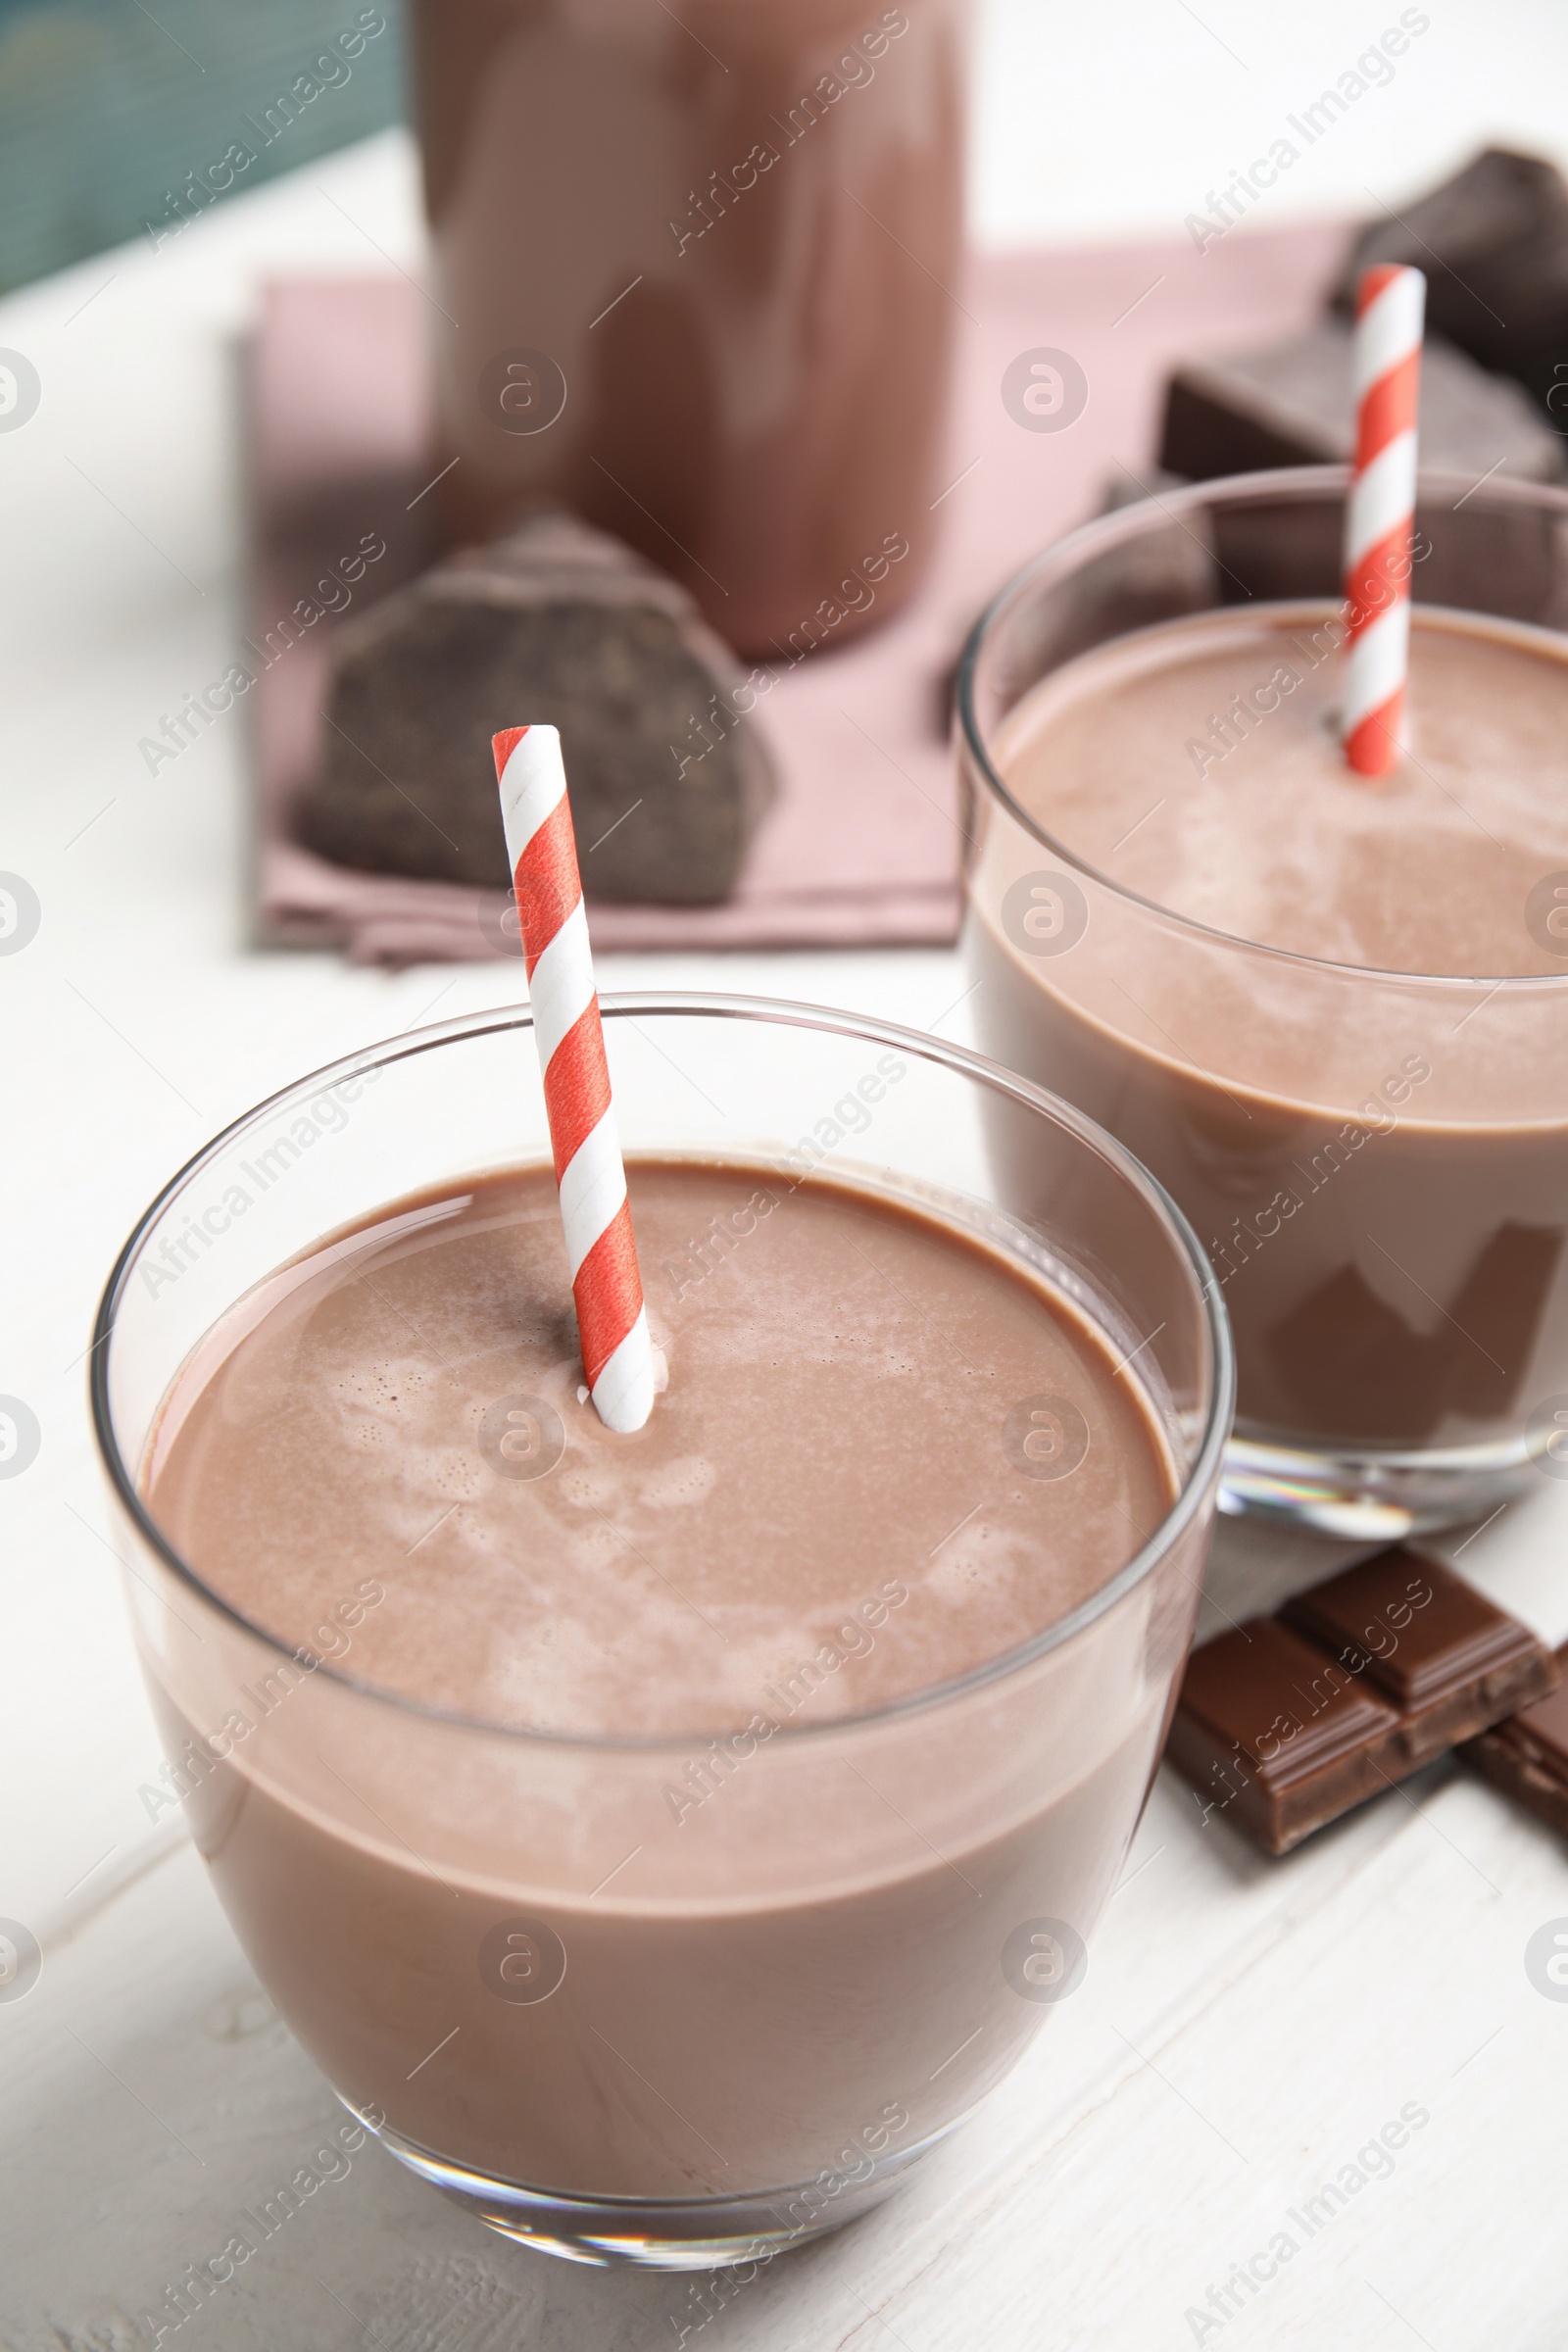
861 845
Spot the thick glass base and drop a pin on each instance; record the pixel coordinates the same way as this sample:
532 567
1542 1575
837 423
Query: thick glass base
691 2233
1376 1495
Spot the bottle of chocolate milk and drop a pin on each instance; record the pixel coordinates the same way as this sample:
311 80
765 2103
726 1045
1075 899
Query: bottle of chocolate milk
695 275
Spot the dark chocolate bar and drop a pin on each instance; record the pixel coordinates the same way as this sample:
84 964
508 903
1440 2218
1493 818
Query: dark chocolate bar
1288 1722
1277 1737
1526 1755
1463 1664
1294 403
1494 244
559 624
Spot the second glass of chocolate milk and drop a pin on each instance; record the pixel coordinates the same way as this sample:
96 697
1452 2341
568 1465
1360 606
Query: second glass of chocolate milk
1329 1014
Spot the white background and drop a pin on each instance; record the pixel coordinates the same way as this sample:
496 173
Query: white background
1115 117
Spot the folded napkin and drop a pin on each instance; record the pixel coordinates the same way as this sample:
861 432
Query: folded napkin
861 845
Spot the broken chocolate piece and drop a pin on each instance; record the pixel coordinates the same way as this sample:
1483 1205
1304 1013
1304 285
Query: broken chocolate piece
1428 1643
1526 1755
1503 558
1294 403
1279 1736
1493 243
1286 1723
561 625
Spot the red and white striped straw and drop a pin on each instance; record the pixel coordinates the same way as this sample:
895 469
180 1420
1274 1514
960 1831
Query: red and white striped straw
606 1283
1380 515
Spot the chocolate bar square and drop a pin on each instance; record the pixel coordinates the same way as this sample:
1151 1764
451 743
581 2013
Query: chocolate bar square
1286 1723
1493 243
1428 1644
1278 1736
1294 403
1526 1756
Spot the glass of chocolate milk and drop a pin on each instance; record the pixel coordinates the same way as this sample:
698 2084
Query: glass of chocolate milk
696 275
1329 1014
663 1842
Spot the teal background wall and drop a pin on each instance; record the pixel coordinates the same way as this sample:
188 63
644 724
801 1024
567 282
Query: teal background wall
119 120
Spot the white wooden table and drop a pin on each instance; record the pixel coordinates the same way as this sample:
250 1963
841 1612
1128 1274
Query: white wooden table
1245 2026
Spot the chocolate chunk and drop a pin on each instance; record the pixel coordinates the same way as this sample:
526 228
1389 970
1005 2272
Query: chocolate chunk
1286 1723
555 624
1485 556
1494 244
1279 1736
1292 403
1428 1643
1526 1755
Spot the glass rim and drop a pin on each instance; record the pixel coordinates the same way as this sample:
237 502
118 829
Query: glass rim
1101 533
776 1012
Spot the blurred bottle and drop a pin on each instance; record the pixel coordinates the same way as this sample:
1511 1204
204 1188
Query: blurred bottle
695 273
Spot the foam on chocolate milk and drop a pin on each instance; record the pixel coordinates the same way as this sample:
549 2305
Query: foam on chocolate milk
1198 764
787 1954
836 1430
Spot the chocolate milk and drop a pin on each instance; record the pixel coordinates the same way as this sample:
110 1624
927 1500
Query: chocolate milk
882 1458
1379 1173
695 275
